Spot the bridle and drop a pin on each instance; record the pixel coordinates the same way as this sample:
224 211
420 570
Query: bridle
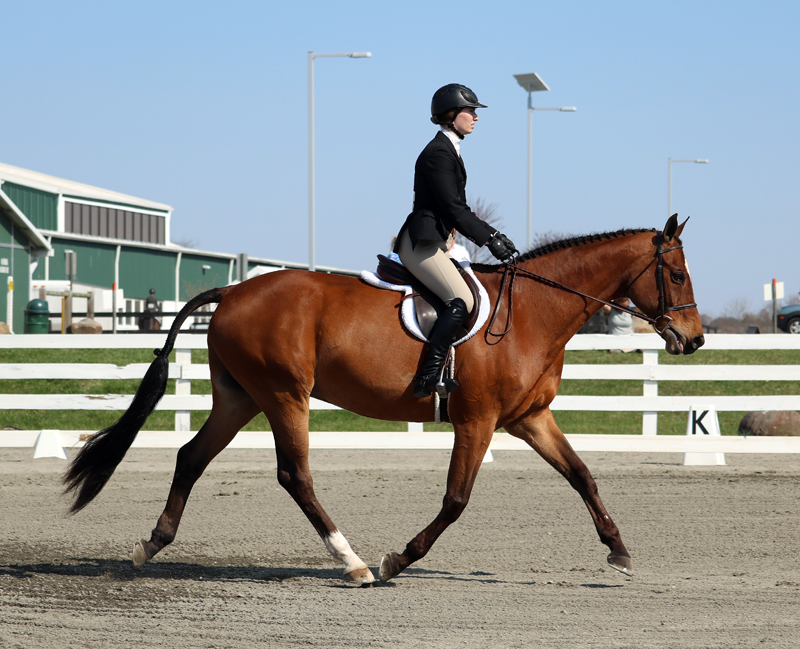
511 269
662 300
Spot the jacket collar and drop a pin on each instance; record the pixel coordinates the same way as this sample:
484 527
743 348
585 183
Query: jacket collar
441 136
454 139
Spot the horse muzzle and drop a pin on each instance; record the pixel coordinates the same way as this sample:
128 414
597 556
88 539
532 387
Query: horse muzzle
678 344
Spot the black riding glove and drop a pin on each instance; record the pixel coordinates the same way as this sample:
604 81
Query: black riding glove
502 247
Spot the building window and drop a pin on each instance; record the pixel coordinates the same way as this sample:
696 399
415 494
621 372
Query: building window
113 223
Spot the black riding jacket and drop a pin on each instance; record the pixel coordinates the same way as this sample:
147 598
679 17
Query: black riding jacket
440 200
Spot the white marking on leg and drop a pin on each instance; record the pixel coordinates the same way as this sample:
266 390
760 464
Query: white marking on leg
340 549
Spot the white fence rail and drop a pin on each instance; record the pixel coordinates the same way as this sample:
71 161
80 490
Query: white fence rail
650 373
444 441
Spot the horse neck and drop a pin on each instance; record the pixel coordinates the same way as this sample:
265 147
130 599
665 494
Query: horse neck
602 269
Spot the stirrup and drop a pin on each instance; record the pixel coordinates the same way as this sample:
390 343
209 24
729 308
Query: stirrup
443 387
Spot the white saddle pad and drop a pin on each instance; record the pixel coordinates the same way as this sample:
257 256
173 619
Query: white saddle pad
408 311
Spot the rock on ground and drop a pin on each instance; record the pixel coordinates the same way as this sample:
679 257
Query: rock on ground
781 423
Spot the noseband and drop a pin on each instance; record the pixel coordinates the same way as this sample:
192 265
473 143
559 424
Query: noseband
511 270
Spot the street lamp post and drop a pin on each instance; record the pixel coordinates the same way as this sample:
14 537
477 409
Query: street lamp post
701 161
533 83
311 57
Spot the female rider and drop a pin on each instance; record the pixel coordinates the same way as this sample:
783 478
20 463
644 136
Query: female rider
441 210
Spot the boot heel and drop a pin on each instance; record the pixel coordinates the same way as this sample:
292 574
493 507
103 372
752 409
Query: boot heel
421 392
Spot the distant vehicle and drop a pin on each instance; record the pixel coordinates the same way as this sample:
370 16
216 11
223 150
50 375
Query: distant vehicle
789 319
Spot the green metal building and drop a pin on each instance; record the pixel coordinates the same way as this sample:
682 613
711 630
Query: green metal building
21 246
117 239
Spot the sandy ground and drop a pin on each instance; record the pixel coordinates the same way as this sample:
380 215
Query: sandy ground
715 553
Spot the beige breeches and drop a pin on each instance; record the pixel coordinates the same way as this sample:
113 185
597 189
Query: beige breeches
432 266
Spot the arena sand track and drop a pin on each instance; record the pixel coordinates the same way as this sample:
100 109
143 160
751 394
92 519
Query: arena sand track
715 553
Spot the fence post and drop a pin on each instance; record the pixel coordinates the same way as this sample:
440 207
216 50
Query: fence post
650 389
67 317
114 308
10 303
183 387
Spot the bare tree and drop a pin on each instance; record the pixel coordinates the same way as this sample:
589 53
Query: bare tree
185 243
738 316
737 308
543 238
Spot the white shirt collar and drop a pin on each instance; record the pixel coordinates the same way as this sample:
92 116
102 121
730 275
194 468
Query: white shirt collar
454 139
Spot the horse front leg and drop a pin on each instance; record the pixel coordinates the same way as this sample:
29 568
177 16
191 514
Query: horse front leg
471 444
541 432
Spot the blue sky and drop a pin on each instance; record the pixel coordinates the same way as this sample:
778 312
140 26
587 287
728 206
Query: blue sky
204 106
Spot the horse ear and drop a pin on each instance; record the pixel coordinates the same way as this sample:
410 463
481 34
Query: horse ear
680 227
670 228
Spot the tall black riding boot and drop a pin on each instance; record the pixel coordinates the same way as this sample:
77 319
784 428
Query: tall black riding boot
443 334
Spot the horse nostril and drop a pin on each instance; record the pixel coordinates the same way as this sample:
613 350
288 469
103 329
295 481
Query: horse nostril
699 341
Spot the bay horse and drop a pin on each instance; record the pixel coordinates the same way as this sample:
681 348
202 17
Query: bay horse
279 339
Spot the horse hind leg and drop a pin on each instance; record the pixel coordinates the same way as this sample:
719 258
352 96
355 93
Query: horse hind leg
232 409
294 475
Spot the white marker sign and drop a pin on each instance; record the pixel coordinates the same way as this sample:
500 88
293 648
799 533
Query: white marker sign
703 420
778 291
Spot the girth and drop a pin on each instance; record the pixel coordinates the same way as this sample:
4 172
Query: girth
428 305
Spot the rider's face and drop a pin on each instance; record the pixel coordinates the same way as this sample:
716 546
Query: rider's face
465 121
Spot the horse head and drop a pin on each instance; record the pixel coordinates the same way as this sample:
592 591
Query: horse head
666 294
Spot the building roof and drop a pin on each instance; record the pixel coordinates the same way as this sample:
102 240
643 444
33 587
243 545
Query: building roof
8 208
71 188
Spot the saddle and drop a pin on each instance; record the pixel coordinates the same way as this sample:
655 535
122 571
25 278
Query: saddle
428 306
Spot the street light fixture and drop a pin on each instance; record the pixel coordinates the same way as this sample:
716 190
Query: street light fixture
311 57
700 161
532 83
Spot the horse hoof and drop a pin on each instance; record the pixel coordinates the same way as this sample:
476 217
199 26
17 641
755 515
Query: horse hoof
390 566
360 576
139 556
621 562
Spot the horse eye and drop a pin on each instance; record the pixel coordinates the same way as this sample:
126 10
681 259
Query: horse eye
678 277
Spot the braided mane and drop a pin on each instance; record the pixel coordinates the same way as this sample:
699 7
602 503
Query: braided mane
569 243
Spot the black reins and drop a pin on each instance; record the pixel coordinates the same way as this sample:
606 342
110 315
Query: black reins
511 269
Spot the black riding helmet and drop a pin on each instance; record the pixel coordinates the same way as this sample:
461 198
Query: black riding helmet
453 96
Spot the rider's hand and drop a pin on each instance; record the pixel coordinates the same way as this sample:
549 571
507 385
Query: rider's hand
502 247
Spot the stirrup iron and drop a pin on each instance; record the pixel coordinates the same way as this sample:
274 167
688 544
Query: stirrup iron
446 385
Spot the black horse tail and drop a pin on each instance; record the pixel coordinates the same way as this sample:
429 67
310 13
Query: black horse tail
100 456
